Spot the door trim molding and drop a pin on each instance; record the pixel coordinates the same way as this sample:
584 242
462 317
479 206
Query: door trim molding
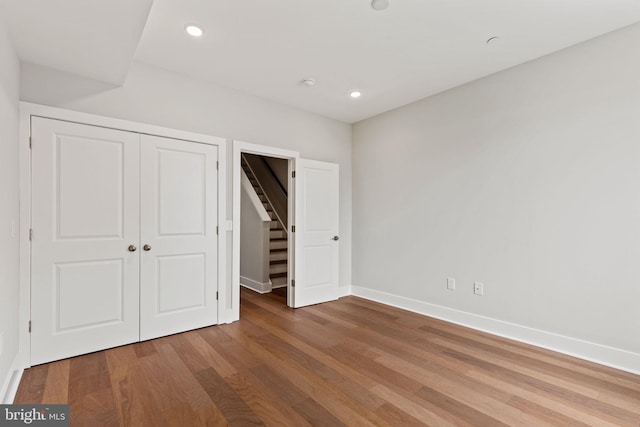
27 110
239 147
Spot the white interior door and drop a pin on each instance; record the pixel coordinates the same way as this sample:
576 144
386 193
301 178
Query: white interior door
316 236
85 214
179 215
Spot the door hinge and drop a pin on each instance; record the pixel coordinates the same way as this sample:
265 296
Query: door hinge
29 326
293 174
217 229
30 143
217 295
30 234
293 228
217 165
293 283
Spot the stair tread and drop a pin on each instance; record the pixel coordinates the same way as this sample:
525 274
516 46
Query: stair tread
278 250
278 239
280 261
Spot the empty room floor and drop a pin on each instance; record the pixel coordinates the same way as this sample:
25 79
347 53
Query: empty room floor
350 362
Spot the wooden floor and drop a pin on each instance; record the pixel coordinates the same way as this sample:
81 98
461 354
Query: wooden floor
350 362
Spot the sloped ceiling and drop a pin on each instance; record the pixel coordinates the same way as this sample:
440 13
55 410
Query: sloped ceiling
96 39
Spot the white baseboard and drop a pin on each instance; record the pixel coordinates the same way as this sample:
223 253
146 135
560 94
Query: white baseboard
344 291
262 288
11 383
598 353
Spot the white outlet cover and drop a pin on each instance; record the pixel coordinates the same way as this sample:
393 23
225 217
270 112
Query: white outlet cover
478 288
451 283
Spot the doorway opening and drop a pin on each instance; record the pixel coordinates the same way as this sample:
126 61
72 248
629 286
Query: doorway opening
264 205
312 229
282 163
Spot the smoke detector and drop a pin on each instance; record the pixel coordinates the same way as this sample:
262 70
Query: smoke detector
379 4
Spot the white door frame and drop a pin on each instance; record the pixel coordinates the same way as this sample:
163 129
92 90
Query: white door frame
27 110
240 147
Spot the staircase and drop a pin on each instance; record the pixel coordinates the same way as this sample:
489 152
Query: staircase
277 236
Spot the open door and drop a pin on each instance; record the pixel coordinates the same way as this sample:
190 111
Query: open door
316 234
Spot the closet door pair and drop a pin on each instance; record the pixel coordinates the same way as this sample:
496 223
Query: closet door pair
124 240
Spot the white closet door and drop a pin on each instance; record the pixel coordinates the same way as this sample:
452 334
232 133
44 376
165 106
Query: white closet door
316 236
84 279
179 215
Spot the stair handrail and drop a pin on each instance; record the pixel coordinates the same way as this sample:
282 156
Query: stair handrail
280 209
275 177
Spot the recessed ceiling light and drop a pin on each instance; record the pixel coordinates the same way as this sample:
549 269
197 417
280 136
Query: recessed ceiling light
193 30
355 94
308 82
493 40
379 4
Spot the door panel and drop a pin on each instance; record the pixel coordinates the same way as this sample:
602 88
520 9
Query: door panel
174 292
316 251
85 213
86 281
181 185
179 278
89 192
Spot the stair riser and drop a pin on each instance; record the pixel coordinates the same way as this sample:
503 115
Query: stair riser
277 234
275 225
277 256
278 281
277 244
279 268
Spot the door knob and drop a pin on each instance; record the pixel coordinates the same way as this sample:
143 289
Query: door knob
336 238
132 248
146 247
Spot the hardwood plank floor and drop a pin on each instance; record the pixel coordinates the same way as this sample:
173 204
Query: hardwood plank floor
350 362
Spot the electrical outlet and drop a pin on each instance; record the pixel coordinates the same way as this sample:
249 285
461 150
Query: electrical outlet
478 288
451 283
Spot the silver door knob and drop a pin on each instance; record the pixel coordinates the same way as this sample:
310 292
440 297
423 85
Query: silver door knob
132 248
336 238
146 247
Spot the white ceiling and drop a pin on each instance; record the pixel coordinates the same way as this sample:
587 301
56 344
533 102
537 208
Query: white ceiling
414 49
90 38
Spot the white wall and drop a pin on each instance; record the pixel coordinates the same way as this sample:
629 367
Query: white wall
9 215
151 95
280 168
254 239
528 181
